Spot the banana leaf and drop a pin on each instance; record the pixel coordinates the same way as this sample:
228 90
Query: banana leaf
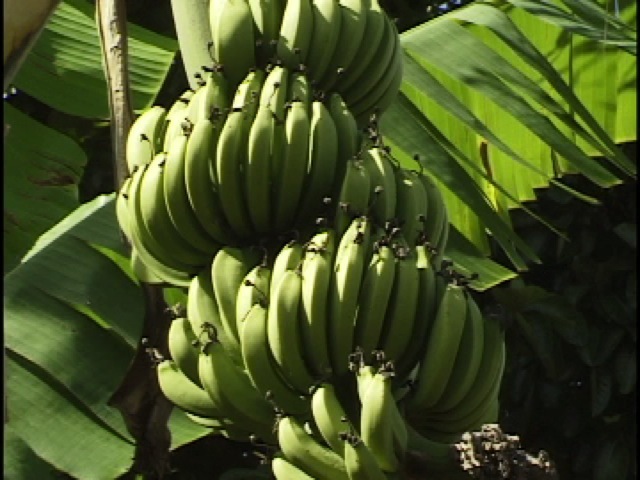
502 98
42 169
64 69
72 321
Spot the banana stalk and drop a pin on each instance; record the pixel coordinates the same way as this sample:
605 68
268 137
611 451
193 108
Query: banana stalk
191 18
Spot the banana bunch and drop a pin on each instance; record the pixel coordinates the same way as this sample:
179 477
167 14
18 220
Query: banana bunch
318 317
345 46
271 337
230 168
458 379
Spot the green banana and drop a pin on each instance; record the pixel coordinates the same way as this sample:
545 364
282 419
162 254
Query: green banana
232 32
401 310
377 421
293 166
215 98
329 416
439 456
296 29
324 38
303 451
183 347
487 382
412 204
247 97
347 131
144 137
425 314
191 250
218 424
359 461
176 196
274 90
228 385
288 258
344 292
441 349
436 223
267 16
203 313
253 289
300 89
152 253
384 192
323 149
283 469
375 293
274 95
353 200
195 110
467 361
174 118
203 198
230 155
486 409
142 272
229 267
384 92
352 29
148 269
371 39
183 393
316 279
257 174
374 73
283 331
261 367
365 375
122 208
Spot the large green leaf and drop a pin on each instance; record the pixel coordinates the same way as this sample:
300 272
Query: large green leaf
499 102
72 321
64 69
42 169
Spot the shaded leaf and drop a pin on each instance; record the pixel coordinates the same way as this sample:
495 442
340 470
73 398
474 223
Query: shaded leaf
518 298
42 169
51 423
612 460
601 389
625 370
627 232
544 342
569 323
20 461
601 343
73 318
